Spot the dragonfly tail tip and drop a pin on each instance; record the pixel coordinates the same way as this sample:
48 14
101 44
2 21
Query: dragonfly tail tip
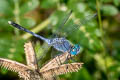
9 22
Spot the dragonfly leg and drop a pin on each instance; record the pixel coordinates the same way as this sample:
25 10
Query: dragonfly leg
57 58
73 59
60 61
67 58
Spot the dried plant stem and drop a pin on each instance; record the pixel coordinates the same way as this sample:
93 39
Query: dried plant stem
31 71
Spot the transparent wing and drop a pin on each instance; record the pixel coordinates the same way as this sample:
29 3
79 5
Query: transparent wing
58 31
76 24
42 51
54 52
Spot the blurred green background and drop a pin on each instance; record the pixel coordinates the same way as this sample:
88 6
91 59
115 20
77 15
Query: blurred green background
99 37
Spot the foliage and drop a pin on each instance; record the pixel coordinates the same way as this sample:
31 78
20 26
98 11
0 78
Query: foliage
99 37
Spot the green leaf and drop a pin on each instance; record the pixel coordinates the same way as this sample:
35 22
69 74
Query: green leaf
56 20
109 10
106 1
5 8
77 6
83 74
27 22
116 2
5 45
48 3
11 48
28 6
4 24
18 45
3 71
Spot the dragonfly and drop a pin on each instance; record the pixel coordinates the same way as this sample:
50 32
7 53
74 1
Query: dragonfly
60 44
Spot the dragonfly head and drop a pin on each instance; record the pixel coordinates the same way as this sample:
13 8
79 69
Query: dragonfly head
75 49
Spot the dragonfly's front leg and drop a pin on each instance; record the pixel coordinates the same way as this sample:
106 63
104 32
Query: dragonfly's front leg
71 58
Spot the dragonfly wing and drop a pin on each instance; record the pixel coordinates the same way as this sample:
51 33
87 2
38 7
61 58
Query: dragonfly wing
54 52
76 24
60 27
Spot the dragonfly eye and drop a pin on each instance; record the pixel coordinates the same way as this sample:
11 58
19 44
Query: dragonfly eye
77 48
73 49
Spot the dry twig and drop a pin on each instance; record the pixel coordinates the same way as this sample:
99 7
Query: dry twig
31 71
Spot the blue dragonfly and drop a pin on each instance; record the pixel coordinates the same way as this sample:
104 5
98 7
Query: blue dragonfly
60 44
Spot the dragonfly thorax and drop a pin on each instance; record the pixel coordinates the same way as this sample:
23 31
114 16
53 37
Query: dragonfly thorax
61 44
